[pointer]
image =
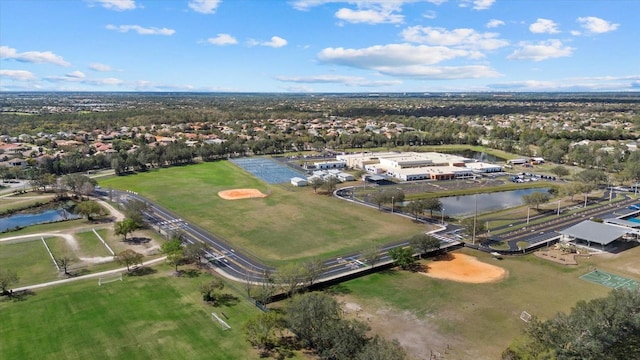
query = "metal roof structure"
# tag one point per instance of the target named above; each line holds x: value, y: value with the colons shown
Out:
x: 627, y: 223
x: 599, y: 233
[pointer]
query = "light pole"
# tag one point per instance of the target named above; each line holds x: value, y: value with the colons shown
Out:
x: 528, y: 213
x: 559, y: 207
x: 475, y: 219
x: 442, y: 215
x: 392, y: 198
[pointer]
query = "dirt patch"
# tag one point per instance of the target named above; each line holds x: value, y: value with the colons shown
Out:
x: 420, y: 338
x: 464, y: 268
x: 557, y: 256
x: 237, y: 194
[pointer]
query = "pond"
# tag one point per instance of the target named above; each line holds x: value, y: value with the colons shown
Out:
x: 22, y: 220
x: 480, y: 156
x: 465, y: 205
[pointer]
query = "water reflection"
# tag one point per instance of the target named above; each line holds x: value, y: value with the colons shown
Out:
x: 465, y: 205
x: 22, y: 220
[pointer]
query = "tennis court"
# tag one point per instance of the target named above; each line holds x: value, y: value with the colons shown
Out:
x: 610, y: 280
x: 267, y: 169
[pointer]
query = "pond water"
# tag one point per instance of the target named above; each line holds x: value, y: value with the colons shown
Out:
x: 480, y: 156
x: 22, y: 220
x: 465, y: 204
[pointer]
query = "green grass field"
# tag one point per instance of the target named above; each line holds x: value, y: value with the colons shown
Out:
x: 288, y: 224
x: 149, y: 317
x: 29, y: 259
x: 90, y: 245
x: 480, y: 320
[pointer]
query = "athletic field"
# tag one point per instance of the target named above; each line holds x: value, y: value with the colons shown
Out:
x: 610, y: 280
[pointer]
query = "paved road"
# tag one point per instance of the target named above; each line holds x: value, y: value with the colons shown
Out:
x: 235, y: 263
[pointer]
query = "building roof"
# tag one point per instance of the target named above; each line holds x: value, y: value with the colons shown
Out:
x: 595, y: 232
x: 627, y: 223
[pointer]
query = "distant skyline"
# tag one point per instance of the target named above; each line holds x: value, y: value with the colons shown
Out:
x: 370, y: 46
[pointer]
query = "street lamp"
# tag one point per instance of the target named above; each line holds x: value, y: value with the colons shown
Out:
x: 392, y: 198
x: 442, y: 215
x: 559, y: 207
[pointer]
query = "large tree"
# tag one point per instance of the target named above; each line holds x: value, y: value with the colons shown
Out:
x: 63, y: 263
x: 291, y: 277
x: 432, y: 204
x: 403, y: 257
x: 129, y: 257
x: 174, y: 251
x: 90, y: 209
x: 210, y: 290
x: 8, y: 277
x: 330, y: 185
x: 604, y: 328
x: 264, y: 331
x: 195, y: 252
x: 415, y: 208
x: 536, y: 198
x: 316, y: 183
x: 372, y: 255
x: 424, y: 243
x: 125, y: 227
x: 559, y: 171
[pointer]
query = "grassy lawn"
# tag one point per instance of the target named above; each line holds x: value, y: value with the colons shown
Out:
x: 149, y: 317
x: 288, y: 224
x: 90, y: 245
x: 480, y: 320
x: 29, y: 259
x: 23, y: 201
x: 60, y: 248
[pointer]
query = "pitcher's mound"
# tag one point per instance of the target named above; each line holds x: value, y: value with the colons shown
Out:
x: 236, y: 194
x: 464, y: 268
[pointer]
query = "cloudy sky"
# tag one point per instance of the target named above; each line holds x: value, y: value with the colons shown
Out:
x: 320, y: 45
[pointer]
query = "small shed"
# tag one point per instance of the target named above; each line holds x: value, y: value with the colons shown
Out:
x: 296, y: 181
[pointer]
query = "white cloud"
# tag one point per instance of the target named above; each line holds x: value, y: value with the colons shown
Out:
x: 308, y: 4
x: 440, y: 72
x: 21, y: 75
x: 477, y: 4
x: 204, y: 6
x: 429, y: 14
x: 390, y: 55
x: 544, y: 26
x: 76, y: 74
x: 339, y: 79
x: 604, y: 83
x: 222, y: 39
x: 118, y: 5
x: 38, y: 57
x: 275, y: 42
x: 595, y: 25
x: 369, y: 16
x: 82, y: 80
x: 494, y: 23
x: 464, y: 38
x: 141, y: 30
x: 100, y: 67
x: 541, y: 51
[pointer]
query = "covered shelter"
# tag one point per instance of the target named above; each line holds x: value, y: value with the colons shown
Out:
x: 593, y: 232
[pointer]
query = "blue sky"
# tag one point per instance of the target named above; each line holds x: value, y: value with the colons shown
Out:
x: 320, y: 45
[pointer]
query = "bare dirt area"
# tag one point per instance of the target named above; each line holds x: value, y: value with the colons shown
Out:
x: 419, y: 337
x: 237, y: 194
x: 464, y: 268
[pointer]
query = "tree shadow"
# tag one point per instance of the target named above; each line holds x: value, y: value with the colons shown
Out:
x: 338, y: 289
x: 16, y: 296
x: 190, y: 273
x: 78, y: 272
x: 137, y: 240
x: 227, y: 300
x: 142, y: 271
x: 444, y: 257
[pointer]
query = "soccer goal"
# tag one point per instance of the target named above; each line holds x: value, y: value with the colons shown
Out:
x: 109, y: 279
x: 525, y: 316
x: 222, y: 323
